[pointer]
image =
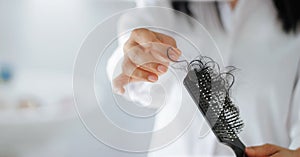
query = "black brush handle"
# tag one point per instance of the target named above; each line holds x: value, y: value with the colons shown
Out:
x: 238, y: 147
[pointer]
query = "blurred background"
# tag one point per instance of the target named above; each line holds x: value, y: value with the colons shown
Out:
x: 39, y: 40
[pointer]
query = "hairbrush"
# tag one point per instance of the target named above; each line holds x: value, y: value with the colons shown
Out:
x: 209, y: 88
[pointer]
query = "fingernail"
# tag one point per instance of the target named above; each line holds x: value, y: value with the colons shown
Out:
x: 161, y: 68
x: 173, y: 57
x: 152, y: 78
x: 178, y: 52
x: 174, y: 54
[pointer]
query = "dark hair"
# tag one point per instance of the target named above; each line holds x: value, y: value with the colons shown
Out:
x: 288, y: 12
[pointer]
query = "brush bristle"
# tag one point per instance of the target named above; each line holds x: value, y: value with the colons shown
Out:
x: 210, y: 90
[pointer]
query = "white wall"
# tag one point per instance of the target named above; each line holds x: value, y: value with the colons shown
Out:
x: 47, y: 33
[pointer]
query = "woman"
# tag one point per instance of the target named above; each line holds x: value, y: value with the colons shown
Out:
x: 260, y: 38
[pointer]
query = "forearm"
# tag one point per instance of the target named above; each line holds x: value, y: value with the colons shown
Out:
x: 271, y: 150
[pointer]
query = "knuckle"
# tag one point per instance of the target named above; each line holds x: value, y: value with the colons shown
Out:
x: 128, y: 67
x: 134, y: 55
x: 268, y: 147
x: 146, y: 34
x: 147, y: 50
x: 138, y: 31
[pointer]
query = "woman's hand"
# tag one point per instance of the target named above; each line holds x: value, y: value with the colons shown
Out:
x: 271, y: 150
x: 145, y: 58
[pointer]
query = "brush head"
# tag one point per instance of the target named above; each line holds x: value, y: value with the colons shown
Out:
x: 210, y: 90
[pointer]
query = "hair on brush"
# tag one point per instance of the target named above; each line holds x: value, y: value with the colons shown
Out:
x: 210, y: 90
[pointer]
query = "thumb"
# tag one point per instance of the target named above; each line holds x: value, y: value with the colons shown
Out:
x: 263, y: 150
x: 120, y: 82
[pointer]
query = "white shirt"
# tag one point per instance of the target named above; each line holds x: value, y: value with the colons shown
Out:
x: 267, y: 87
x: 226, y: 14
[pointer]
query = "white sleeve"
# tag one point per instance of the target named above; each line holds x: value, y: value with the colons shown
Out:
x: 295, y: 115
x: 147, y: 3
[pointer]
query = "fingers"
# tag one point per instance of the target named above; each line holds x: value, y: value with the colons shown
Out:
x: 145, y: 60
x: 166, y: 39
x: 264, y: 150
x: 142, y: 58
x: 119, y: 82
x: 151, y: 51
x: 155, y: 68
x: 173, y: 54
x: 138, y: 75
x: 132, y: 71
x: 153, y: 42
x: 163, y: 52
x: 157, y: 53
x: 142, y: 36
x: 147, y: 55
